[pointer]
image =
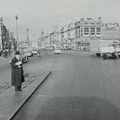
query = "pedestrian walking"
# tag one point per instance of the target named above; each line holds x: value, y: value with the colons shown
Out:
x: 45, y: 50
x: 17, y: 73
x: 0, y: 53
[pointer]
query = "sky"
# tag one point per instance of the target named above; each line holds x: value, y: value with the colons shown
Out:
x: 46, y: 14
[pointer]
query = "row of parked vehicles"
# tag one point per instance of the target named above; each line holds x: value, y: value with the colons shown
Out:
x: 56, y: 49
x: 26, y: 53
x: 105, y: 48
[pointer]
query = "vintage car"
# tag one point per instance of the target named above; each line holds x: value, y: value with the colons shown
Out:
x: 57, y: 50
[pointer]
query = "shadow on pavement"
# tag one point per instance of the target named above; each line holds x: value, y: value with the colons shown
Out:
x: 78, y: 108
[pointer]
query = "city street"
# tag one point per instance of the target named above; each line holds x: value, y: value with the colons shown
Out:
x: 81, y: 87
x: 53, y: 74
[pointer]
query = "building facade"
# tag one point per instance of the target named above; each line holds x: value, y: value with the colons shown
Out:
x: 5, y: 37
x: 79, y: 33
x: 111, y: 31
x: 82, y: 31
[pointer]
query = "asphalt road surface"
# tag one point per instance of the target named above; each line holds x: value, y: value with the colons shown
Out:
x: 81, y: 87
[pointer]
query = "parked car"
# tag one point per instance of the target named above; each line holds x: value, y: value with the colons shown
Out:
x: 34, y: 52
x: 57, y: 50
x: 105, y: 48
x: 69, y: 48
x: 49, y: 47
x: 28, y: 54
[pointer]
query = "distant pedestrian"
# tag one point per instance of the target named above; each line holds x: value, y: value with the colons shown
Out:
x: 0, y: 52
x: 45, y: 50
x: 39, y: 52
x: 6, y: 53
x: 17, y: 76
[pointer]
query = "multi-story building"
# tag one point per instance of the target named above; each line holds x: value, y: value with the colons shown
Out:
x: 111, y: 31
x: 67, y: 35
x: 82, y: 31
x: 47, y: 39
x: 89, y: 28
x: 52, y: 38
x: 5, y: 42
x: 78, y: 34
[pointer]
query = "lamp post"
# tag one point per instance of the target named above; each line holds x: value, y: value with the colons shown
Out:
x: 27, y: 31
x: 12, y: 42
x: 16, y: 17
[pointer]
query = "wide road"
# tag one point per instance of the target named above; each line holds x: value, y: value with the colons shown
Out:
x: 81, y: 87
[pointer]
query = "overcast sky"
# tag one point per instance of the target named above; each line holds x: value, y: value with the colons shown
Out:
x: 45, y: 14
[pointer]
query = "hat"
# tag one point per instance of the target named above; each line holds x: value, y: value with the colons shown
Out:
x: 17, y: 53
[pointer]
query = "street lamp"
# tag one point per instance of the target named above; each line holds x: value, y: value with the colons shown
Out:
x: 27, y: 30
x: 16, y: 17
x: 12, y: 42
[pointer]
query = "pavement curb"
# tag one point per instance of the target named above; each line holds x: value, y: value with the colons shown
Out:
x: 22, y: 104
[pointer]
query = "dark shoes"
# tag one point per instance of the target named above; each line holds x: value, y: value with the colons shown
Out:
x: 18, y: 89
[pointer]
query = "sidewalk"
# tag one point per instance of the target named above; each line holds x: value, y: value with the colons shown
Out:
x: 11, y: 103
x: 4, y: 60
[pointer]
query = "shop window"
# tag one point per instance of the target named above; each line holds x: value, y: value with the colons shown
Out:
x: 86, y: 23
x: 86, y: 31
x: 98, y: 31
x: 81, y: 29
x: 81, y: 34
x: 98, y: 23
x: 92, y: 23
x: 92, y: 31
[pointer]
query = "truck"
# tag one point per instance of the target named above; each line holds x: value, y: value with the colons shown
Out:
x: 105, y: 48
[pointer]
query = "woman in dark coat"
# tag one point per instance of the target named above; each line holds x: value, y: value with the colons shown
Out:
x: 17, y: 76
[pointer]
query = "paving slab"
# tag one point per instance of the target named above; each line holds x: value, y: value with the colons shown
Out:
x: 11, y: 103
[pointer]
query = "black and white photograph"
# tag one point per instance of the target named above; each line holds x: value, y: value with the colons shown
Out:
x: 59, y: 59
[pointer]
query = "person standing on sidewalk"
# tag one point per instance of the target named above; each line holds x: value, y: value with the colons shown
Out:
x: 17, y: 76
x: 39, y: 52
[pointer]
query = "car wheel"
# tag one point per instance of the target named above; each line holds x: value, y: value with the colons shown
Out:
x: 98, y: 54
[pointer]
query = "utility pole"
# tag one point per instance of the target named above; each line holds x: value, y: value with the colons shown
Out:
x: 27, y: 31
x: 16, y: 17
x: 42, y: 38
x: 12, y: 42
